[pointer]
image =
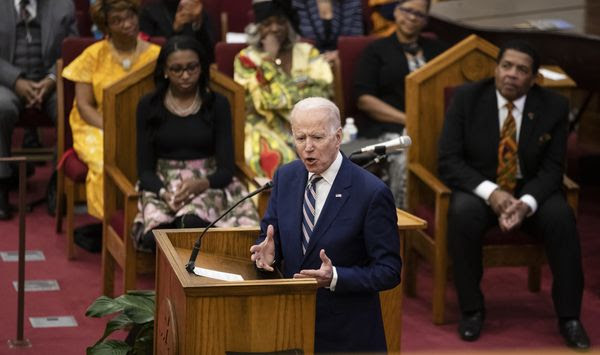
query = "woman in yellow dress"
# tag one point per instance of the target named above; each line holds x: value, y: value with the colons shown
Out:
x: 100, y: 65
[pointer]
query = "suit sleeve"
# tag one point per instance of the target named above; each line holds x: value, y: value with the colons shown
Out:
x: 549, y: 172
x: 453, y: 167
x: 382, y: 244
x: 367, y: 73
x: 8, y: 74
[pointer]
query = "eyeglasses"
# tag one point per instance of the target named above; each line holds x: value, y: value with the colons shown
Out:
x: 178, y: 70
x: 116, y: 20
x: 418, y: 14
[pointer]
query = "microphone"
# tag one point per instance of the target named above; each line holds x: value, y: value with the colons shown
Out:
x: 391, y: 146
x: 192, y: 262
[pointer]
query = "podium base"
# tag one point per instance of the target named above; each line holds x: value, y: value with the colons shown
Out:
x: 25, y: 343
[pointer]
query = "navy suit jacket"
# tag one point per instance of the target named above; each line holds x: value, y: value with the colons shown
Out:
x: 357, y: 228
x: 468, y: 150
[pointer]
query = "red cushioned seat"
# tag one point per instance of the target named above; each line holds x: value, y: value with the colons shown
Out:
x: 225, y: 54
x: 117, y: 221
x: 75, y: 169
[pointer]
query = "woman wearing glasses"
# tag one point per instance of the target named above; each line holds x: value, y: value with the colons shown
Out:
x: 100, y: 65
x: 185, y: 149
x: 379, y: 81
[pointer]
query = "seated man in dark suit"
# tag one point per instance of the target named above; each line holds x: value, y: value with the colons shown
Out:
x: 502, y: 152
x: 331, y: 220
x: 31, y: 33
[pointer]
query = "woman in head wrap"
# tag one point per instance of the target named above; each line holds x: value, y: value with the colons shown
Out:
x: 277, y: 71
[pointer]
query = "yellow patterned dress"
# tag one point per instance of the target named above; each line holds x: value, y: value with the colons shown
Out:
x: 98, y: 66
x: 271, y: 93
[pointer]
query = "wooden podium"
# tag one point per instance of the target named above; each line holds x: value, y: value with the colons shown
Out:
x: 198, y: 315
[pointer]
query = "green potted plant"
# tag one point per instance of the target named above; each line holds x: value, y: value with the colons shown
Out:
x: 135, y: 314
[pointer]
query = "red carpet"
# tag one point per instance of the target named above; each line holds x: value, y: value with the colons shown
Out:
x: 517, y: 319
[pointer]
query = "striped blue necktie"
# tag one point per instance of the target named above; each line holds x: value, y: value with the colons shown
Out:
x: 308, y: 211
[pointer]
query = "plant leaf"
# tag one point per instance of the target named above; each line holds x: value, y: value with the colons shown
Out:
x: 145, y: 293
x: 139, y: 309
x: 109, y: 347
x: 122, y: 321
x: 103, y: 306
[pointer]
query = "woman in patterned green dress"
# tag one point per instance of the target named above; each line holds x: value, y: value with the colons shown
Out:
x: 276, y: 71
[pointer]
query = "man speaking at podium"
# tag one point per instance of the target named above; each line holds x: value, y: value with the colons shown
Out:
x: 331, y: 220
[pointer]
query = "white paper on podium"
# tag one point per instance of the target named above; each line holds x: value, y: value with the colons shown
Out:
x: 261, y: 180
x: 219, y: 275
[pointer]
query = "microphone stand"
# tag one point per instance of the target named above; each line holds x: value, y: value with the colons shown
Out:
x: 381, y: 154
x: 375, y: 160
x: 191, y: 265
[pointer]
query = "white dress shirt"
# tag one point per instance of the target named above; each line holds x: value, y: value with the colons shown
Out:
x: 31, y: 7
x: 322, y: 191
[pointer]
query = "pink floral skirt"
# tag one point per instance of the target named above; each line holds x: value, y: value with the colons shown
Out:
x: 209, y: 205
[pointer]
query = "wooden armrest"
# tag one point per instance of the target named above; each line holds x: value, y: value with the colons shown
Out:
x: 569, y: 184
x: 429, y: 179
x: 408, y: 221
x: 442, y: 202
x: 121, y: 181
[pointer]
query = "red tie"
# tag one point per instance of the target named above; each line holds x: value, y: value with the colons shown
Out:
x: 507, y: 152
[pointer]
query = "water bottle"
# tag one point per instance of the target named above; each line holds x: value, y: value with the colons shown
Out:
x: 349, y: 131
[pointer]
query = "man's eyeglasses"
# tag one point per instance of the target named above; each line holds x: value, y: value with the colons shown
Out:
x: 418, y: 14
x: 178, y: 70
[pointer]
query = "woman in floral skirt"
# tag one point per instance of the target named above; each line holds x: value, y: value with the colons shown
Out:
x: 185, y: 149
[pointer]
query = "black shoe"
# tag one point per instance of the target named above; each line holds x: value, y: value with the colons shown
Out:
x: 574, y: 334
x: 31, y: 139
x: 5, y: 210
x: 89, y: 237
x: 470, y: 325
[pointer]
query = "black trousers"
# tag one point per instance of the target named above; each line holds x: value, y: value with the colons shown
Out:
x: 469, y: 217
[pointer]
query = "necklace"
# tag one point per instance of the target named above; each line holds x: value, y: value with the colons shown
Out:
x: 126, y: 60
x: 176, y: 108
